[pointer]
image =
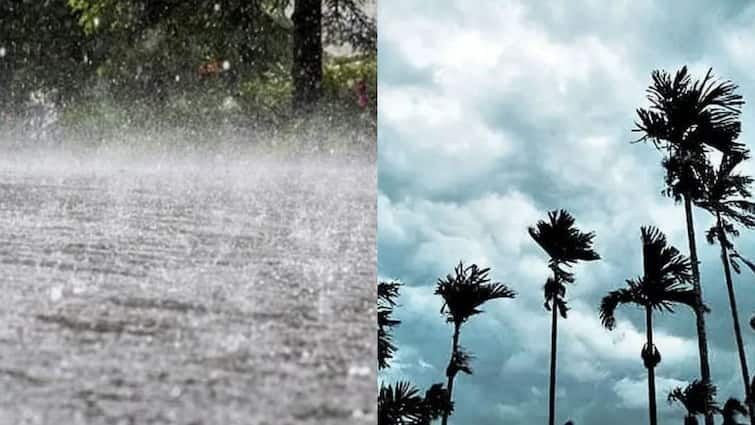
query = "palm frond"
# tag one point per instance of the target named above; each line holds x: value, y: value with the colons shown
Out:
x: 386, y: 348
x: 553, y: 291
x: 725, y: 194
x: 611, y: 301
x: 677, y: 295
x: 562, y: 240
x: 466, y: 290
x: 666, y: 273
x: 460, y: 362
x: 685, y: 118
x: 437, y: 403
x: 666, y: 280
x: 731, y: 409
x: 386, y: 299
x: 387, y: 292
x: 736, y: 256
x: 661, y: 262
x: 400, y: 404
x: 698, y: 398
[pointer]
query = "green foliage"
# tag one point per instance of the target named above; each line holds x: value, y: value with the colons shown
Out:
x: 43, y: 49
x: 341, y: 74
x: 122, y: 65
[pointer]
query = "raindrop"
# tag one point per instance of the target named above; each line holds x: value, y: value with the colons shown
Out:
x: 359, y: 370
x: 226, y: 65
x: 56, y: 293
x: 178, y: 78
x: 216, y: 7
x: 96, y: 21
x: 3, y: 52
x: 175, y: 392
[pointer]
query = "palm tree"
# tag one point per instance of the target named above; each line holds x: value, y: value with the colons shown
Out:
x: 463, y: 293
x: 386, y: 300
x: 664, y: 282
x: 698, y: 398
x: 686, y: 119
x: 731, y: 409
x: 401, y: 404
x: 724, y: 195
x: 565, y: 245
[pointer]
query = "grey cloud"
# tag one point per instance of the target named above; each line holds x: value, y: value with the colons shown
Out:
x: 565, y: 149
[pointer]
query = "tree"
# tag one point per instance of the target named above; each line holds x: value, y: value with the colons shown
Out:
x: 307, y: 51
x: 732, y: 408
x: 565, y: 245
x: 725, y: 196
x: 41, y: 48
x: 464, y: 292
x: 698, y: 398
x: 685, y: 120
x: 401, y: 404
x: 386, y: 299
x: 335, y: 22
x: 665, y: 281
x: 144, y: 44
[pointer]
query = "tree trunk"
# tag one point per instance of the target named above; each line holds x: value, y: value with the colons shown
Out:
x: 651, y: 369
x: 702, y: 339
x: 722, y: 241
x: 306, y: 71
x: 552, y: 388
x: 450, y: 385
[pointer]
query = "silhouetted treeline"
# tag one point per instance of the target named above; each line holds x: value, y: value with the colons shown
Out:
x: 690, y: 122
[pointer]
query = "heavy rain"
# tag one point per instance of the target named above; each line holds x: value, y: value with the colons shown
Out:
x: 187, y: 212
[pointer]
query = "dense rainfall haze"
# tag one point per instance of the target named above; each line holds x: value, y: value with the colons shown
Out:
x: 187, y: 212
x: 171, y: 285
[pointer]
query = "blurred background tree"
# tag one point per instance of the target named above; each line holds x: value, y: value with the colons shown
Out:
x: 188, y: 56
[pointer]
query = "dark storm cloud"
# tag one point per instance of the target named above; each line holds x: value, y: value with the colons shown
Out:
x: 492, y: 114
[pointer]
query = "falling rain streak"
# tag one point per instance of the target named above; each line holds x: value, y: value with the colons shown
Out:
x: 173, y: 292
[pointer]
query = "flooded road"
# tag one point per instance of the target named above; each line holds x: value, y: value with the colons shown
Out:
x: 196, y: 291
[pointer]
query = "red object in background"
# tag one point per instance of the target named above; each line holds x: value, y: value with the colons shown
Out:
x: 362, y: 99
x: 210, y: 68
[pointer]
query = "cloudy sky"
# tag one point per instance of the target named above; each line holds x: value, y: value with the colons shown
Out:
x: 494, y: 112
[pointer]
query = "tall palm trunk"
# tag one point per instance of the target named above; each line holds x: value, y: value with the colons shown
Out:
x: 702, y: 339
x: 450, y: 385
x: 552, y: 388
x: 651, y: 367
x: 735, y: 318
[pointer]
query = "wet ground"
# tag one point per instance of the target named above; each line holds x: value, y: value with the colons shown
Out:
x: 196, y: 291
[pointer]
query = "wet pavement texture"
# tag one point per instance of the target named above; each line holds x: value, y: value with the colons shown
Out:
x: 195, y: 292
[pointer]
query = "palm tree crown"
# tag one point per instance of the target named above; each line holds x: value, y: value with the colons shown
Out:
x: 732, y: 408
x: 565, y: 244
x: 562, y: 241
x: 665, y: 280
x: 686, y: 118
x: 691, y: 113
x: 725, y: 192
x: 401, y: 404
x: 698, y: 398
x: 386, y: 299
x: 466, y: 290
